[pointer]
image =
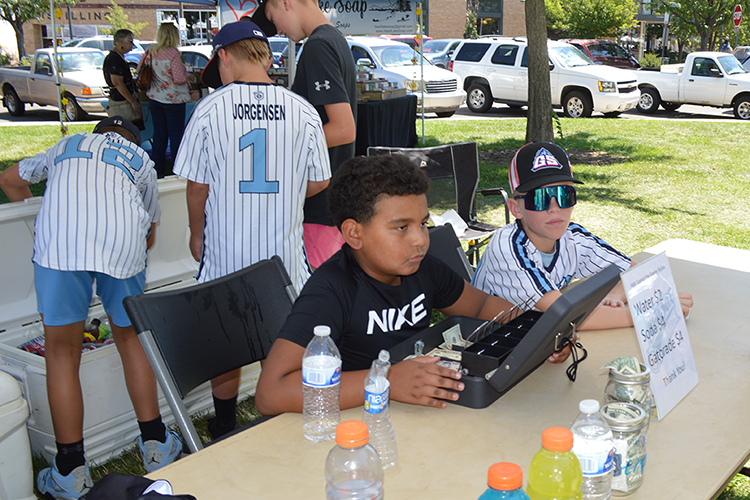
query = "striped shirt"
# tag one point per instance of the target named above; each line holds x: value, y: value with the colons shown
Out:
x: 256, y: 146
x: 100, y: 201
x: 512, y: 267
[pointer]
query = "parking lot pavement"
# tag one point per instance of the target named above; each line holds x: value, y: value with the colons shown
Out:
x: 41, y: 115
x: 686, y: 112
x: 48, y: 115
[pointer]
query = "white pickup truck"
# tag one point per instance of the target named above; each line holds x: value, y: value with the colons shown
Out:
x: 705, y: 79
x: 496, y: 70
x: 81, y: 76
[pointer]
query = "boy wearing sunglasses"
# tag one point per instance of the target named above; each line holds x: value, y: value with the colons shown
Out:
x: 543, y: 252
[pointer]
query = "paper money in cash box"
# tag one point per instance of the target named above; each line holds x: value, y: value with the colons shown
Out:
x: 494, y: 356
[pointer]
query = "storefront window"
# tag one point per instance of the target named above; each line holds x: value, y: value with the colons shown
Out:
x: 490, y: 17
x: 490, y: 26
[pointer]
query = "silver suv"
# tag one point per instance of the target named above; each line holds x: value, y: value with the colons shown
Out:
x: 496, y: 70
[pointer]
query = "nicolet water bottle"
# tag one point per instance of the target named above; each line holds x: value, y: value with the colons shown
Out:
x: 377, y: 413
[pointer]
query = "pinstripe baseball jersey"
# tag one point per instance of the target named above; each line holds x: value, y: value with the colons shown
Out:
x: 100, y: 201
x: 512, y: 268
x: 256, y: 146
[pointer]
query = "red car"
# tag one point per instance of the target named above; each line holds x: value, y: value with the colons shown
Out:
x: 606, y: 52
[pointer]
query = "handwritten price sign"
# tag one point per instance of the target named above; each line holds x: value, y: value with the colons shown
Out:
x: 661, y: 330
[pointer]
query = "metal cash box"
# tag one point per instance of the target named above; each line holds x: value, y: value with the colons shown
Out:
x: 504, y: 354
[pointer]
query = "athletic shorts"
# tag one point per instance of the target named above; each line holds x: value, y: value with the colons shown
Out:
x: 321, y: 242
x: 63, y: 297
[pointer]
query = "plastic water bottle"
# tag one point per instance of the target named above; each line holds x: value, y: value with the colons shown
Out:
x: 504, y: 481
x: 353, y: 470
x: 594, y: 446
x: 555, y: 472
x: 321, y: 377
x: 377, y: 414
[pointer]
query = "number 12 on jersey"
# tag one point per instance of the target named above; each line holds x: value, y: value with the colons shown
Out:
x: 257, y: 139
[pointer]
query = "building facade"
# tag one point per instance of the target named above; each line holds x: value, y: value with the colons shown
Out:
x: 447, y: 18
x: 86, y: 19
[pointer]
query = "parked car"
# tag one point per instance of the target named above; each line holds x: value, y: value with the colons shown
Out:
x: 606, y: 52
x: 496, y: 70
x: 284, y: 58
x: 195, y: 58
x: 441, y: 51
x: 409, y: 40
x: 105, y: 43
x: 278, y: 44
x: 705, y: 79
x: 194, y: 41
x: 394, y: 61
x: 743, y: 56
x: 82, y: 77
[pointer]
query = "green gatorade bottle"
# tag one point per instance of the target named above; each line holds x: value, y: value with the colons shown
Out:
x: 555, y: 473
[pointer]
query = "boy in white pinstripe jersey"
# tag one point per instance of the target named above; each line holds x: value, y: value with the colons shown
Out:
x: 543, y: 252
x: 251, y: 152
x: 96, y: 221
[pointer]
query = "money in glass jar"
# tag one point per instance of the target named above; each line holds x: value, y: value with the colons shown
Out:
x: 629, y: 383
x: 628, y: 424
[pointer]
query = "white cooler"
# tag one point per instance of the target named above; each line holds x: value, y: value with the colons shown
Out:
x: 16, y: 481
x: 109, y: 420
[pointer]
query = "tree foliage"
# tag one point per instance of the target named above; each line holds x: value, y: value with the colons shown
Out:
x: 470, y: 31
x: 119, y: 20
x: 18, y: 12
x: 706, y: 18
x: 590, y: 18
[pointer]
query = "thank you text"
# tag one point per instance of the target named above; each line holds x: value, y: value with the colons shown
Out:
x: 661, y: 331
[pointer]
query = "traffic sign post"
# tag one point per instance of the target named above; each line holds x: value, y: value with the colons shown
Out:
x: 737, y: 18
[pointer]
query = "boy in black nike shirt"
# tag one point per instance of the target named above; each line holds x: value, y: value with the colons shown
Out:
x: 376, y: 292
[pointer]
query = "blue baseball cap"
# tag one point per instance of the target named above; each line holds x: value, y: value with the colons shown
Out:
x: 230, y: 33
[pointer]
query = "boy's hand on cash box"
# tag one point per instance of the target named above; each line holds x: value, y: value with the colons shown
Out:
x: 421, y: 381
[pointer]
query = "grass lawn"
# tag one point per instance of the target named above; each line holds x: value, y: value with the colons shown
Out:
x: 645, y: 182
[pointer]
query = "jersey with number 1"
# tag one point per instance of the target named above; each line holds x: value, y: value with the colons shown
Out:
x: 256, y: 146
x: 100, y: 201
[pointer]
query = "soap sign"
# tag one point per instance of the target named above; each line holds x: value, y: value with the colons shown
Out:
x: 661, y: 330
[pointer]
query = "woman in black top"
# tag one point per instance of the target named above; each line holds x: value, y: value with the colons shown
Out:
x: 123, y: 98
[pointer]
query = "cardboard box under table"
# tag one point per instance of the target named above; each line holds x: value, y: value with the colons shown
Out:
x: 109, y: 420
x: 502, y: 355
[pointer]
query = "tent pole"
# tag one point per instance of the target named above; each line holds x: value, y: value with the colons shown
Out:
x: 57, y: 66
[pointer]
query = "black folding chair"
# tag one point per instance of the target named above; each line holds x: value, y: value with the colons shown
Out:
x: 444, y: 245
x: 193, y: 334
x: 454, y: 170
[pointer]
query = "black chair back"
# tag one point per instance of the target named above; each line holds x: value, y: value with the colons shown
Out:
x: 211, y: 328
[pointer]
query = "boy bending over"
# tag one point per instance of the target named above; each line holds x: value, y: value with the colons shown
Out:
x: 376, y: 292
x: 96, y: 221
x: 543, y: 252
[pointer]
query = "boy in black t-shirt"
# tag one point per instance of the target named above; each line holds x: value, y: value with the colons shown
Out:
x: 377, y: 291
x: 327, y: 77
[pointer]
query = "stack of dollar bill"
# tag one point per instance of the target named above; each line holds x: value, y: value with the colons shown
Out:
x: 637, y: 391
x: 626, y: 365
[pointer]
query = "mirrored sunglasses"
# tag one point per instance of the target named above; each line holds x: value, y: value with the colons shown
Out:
x: 538, y: 200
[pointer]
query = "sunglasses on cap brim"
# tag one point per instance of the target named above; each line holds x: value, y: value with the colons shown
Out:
x: 538, y: 200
